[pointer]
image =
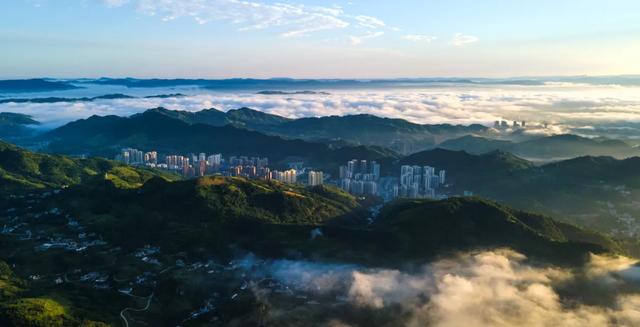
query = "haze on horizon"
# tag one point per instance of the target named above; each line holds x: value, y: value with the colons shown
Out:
x: 317, y: 39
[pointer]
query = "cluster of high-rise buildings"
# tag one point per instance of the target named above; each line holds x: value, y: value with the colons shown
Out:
x: 502, y: 124
x: 288, y: 176
x: 195, y: 165
x: 419, y: 182
x: 136, y: 157
x: 360, y: 177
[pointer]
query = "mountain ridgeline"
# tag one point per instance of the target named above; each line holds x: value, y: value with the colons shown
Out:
x: 356, y: 129
x: 398, y: 135
x: 155, y: 130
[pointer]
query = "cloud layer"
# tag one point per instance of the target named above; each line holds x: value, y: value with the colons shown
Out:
x: 590, y: 110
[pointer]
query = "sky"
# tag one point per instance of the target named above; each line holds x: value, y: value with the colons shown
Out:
x: 318, y: 39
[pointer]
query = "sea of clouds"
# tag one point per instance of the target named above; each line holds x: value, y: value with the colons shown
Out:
x: 488, y: 288
x: 588, y: 109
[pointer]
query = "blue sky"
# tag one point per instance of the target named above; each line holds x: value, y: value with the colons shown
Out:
x: 310, y: 39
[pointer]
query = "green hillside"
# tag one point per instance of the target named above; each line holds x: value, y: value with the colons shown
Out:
x: 204, y: 212
x: 19, y: 308
x: 22, y: 171
x: 592, y: 192
x: 430, y: 227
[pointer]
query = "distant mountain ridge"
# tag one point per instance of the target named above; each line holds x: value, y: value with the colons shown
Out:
x: 292, y: 93
x: 357, y: 129
x: 168, y: 132
x: 34, y: 85
x: 403, y: 136
x: 293, y: 84
x: 114, y: 96
x: 12, y: 118
x: 555, y: 147
x: 15, y: 125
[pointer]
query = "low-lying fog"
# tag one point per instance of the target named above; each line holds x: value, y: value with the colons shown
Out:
x: 491, y: 288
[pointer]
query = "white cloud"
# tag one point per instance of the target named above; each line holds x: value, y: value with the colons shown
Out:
x: 370, y: 22
x: 294, y: 19
x: 115, y: 3
x: 356, y: 40
x: 461, y: 39
x: 420, y: 38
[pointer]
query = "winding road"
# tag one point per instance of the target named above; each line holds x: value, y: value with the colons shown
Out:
x: 126, y: 322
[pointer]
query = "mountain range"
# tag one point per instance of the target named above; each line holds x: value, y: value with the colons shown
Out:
x: 156, y: 130
x: 84, y: 239
x: 554, y: 189
x: 397, y: 135
x: 402, y: 136
x: 356, y: 129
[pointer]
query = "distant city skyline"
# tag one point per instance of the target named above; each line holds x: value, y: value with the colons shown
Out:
x: 316, y: 39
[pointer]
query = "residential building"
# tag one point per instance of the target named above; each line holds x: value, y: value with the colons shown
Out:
x: 315, y: 178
